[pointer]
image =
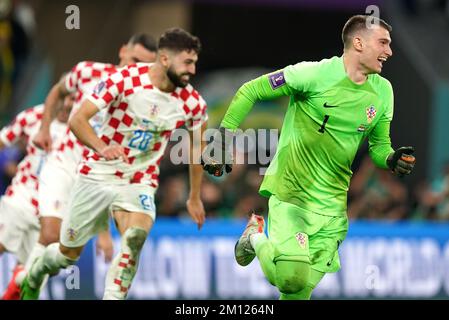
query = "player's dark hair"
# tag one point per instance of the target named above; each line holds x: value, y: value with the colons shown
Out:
x: 177, y: 40
x: 360, y: 22
x: 147, y: 41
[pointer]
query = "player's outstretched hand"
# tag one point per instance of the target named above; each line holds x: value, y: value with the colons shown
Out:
x: 218, y: 154
x: 42, y: 140
x: 114, y: 152
x: 401, y: 161
x: 196, y: 210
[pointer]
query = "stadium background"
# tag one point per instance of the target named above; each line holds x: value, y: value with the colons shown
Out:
x: 397, y: 245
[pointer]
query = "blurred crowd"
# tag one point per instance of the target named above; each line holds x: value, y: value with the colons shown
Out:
x: 377, y: 194
x: 419, y: 7
x: 16, y: 30
x: 230, y: 196
x: 374, y: 194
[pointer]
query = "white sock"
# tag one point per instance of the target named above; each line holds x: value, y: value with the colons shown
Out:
x: 51, y: 261
x: 20, y: 276
x: 257, y: 237
x: 124, y: 266
x: 36, y: 252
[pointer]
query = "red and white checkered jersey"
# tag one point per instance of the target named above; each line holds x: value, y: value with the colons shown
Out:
x: 82, y: 79
x: 140, y: 118
x: 24, y: 186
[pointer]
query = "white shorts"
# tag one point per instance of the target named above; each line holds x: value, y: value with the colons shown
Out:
x: 91, y: 202
x: 55, y: 185
x: 19, y: 230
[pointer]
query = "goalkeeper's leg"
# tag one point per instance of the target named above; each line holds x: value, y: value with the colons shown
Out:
x: 290, y: 277
x: 305, y: 293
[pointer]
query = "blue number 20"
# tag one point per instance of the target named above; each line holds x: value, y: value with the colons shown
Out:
x: 140, y: 140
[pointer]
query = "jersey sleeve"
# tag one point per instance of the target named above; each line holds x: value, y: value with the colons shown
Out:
x: 379, y: 138
x: 266, y: 87
x: 198, y: 115
x: 19, y: 126
x: 303, y: 76
x: 109, y: 88
x: 75, y: 75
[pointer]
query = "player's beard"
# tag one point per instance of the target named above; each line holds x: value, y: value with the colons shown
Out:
x: 176, y: 78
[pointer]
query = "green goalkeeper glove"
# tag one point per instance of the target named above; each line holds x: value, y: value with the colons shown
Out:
x: 401, y: 161
x: 218, y: 154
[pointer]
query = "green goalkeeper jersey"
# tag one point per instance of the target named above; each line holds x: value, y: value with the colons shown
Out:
x: 328, y: 118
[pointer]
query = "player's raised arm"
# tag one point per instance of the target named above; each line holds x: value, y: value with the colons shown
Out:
x: 57, y: 92
x: 217, y: 155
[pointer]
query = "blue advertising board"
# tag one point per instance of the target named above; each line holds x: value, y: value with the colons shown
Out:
x: 379, y: 260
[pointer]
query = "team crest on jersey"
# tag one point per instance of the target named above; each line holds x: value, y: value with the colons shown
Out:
x: 72, y: 233
x: 154, y: 111
x: 370, y: 113
x: 302, y: 239
x: 100, y: 86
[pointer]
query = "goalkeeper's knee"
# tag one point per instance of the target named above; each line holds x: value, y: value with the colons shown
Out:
x: 292, y: 276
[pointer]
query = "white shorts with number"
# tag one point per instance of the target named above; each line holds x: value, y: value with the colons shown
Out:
x: 91, y: 203
x: 19, y: 228
x: 55, y: 186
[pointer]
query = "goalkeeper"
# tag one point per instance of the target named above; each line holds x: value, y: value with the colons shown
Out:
x: 334, y: 105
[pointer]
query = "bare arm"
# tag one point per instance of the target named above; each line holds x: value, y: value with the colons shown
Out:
x: 79, y: 124
x: 43, y: 137
x: 194, y: 203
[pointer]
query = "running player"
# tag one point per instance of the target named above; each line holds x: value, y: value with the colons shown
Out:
x: 58, y: 174
x: 19, y: 214
x: 334, y: 105
x: 144, y: 103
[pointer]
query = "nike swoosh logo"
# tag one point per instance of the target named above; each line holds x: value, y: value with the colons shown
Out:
x: 328, y: 106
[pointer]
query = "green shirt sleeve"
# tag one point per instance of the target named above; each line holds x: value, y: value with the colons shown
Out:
x: 266, y: 87
x: 379, y: 137
x: 303, y: 76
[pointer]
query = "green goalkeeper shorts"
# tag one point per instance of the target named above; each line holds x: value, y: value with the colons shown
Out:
x: 300, y: 235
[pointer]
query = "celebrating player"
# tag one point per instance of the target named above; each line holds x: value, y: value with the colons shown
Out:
x: 143, y: 104
x: 334, y: 105
x: 58, y: 173
x: 19, y: 214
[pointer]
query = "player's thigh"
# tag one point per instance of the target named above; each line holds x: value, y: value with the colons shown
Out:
x: 324, y: 245
x: 134, y: 207
x: 289, y: 228
x: 88, y: 213
x: 55, y: 186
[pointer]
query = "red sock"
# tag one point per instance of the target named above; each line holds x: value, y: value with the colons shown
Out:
x: 12, y: 292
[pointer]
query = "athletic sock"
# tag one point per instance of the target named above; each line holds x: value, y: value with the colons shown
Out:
x: 50, y: 262
x: 265, y: 253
